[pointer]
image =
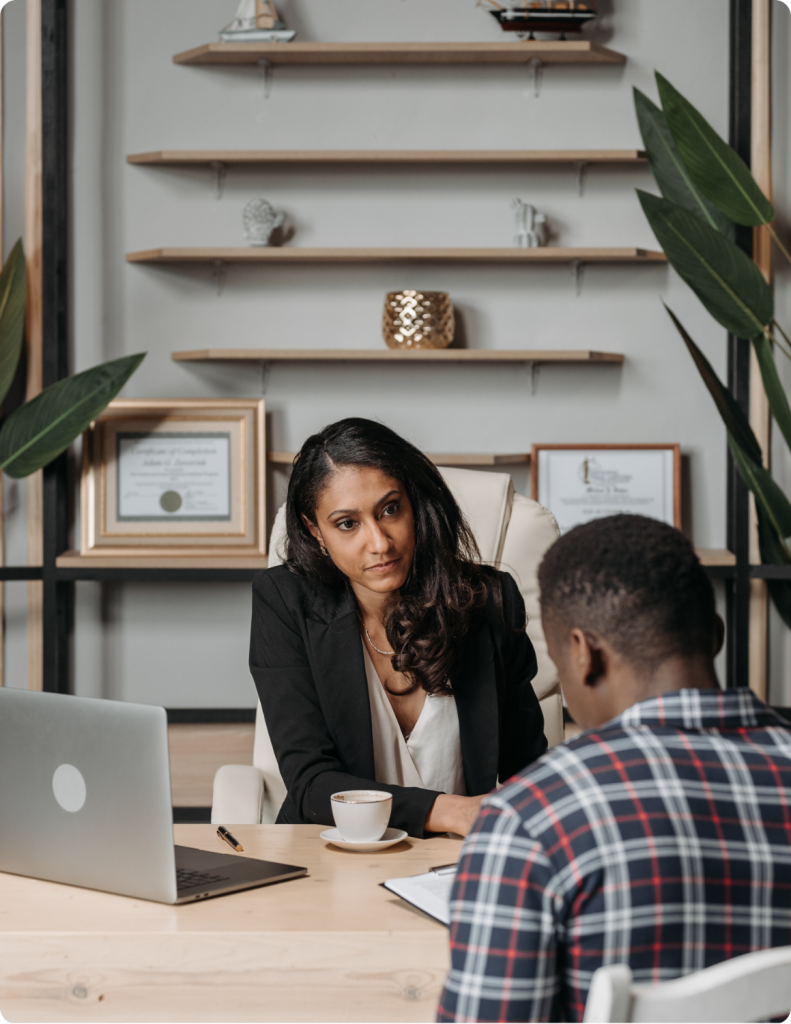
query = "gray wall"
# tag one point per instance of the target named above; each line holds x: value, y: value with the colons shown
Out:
x: 13, y: 15
x: 187, y: 646
x: 779, y: 660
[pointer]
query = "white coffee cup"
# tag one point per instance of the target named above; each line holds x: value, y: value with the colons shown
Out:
x: 362, y: 815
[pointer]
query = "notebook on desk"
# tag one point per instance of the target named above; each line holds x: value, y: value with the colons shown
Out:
x: 429, y: 892
x: 85, y: 800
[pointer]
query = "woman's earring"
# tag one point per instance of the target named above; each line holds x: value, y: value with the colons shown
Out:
x: 323, y: 550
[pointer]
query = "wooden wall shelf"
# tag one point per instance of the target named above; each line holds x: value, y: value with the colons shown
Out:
x: 383, y: 157
x: 394, y: 355
x: 556, y: 52
x: 710, y: 557
x: 289, y: 255
x: 71, y: 567
x: 454, y: 459
x: 74, y: 560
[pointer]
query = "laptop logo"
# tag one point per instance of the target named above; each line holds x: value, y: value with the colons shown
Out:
x: 69, y: 787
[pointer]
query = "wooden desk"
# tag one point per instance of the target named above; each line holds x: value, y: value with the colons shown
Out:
x: 334, y: 946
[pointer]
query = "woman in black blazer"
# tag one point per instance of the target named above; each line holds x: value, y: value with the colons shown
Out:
x: 382, y: 573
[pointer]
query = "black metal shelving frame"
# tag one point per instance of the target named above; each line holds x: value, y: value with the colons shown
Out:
x: 58, y: 583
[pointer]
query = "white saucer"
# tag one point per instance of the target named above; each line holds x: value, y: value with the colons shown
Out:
x: 390, y: 838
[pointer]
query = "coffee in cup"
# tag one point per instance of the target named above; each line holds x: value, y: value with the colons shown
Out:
x: 362, y: 815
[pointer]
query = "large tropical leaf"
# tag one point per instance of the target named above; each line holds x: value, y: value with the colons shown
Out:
x: 736, y: 423
x: 723, y: 277
x: 774, y: 552
x: 40, y: 430
x: 716, y: 168
x: 13, y: 287
x: 747, y: 453
x: 668, y: 168
x: 775, y: 392
x: 743, y: 444
x: 767, y: 493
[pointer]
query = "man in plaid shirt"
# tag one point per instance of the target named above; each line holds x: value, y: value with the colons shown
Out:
x: 660, y: 837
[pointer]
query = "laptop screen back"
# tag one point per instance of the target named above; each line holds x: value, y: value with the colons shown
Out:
x: 85, y: 793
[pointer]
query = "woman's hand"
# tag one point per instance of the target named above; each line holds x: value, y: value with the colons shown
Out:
x: 453, y: 814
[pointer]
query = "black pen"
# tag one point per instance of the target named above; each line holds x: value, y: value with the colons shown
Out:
x: 230, y: 839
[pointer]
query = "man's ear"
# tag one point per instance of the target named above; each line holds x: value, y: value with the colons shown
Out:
x: 588, y: 656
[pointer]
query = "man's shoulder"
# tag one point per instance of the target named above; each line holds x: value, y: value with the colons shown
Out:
x: 567, y: 776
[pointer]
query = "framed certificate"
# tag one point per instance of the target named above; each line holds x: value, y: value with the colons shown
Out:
x: 174, y: 477
x: 581, y: 482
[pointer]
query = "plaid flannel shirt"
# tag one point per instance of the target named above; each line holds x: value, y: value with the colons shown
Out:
x: 661, y: 840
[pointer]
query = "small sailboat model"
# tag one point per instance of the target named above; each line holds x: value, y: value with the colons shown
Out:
x: 529, y: 16
x: 256, y: 21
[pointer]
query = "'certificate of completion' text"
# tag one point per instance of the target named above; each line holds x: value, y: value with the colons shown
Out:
x: 185, y: 476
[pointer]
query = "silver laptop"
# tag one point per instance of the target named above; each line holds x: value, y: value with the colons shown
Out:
x: 85, y: 800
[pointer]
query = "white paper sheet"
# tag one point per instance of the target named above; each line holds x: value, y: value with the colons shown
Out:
x: 174, y: 476
x: 429, y: 893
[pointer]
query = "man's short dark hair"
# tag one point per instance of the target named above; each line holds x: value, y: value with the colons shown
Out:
x: 634, y: 581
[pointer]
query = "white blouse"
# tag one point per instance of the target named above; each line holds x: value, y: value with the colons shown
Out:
x: 431, y: 757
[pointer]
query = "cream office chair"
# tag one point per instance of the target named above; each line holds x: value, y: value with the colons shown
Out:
x: 755, y: 986
x: 513, y: 533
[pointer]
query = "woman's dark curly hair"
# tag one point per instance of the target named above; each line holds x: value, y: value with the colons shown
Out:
x: 446, y: 582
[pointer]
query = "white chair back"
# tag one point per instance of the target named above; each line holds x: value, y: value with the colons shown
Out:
x: 753, y: 987
x: 531, y: 530
x: 486, y: 500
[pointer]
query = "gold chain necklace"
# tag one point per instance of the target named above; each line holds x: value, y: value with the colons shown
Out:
x: 370, y: 641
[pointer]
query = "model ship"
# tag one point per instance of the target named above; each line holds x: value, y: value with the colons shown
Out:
x: 529, y: 16
x: 256, y: 21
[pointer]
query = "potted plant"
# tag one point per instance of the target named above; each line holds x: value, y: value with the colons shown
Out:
x: 707, y: 189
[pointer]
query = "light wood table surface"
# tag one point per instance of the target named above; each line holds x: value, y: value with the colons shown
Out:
x: 333, y: 946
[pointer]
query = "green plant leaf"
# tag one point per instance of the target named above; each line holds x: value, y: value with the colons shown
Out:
x: 668, y: 168
x: 716, y: 168
x: 741, y: 440
x: 40, y: 430
x: 13, y: 289
x: 766, y: 491
x: 736, y: 423
x: 780, y: 593
x: 724, y: 278
x: 774, y: 552
x: 775, y: 393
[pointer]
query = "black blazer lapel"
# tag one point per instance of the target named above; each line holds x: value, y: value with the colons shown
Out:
x: 475, y: 688
x: 339, y: 672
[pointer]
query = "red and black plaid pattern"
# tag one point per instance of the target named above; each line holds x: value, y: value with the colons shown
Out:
x: 661, y: 840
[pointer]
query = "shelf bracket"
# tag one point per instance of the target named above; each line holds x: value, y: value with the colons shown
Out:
x: 267, y: 70
x: 220, y: 170
x: 218, y: 269
x: 577, y: 272
x: 533, y: 368
x: 580, y: 172
x: 535, y: 72
x: 266, y: 369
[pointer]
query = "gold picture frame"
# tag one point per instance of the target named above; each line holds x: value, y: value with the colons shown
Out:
x: 174, y: 477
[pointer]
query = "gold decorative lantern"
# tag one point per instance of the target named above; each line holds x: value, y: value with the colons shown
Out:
x: 418, y: 320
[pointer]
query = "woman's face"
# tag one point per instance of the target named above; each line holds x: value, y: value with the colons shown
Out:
x: 364, y: 520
